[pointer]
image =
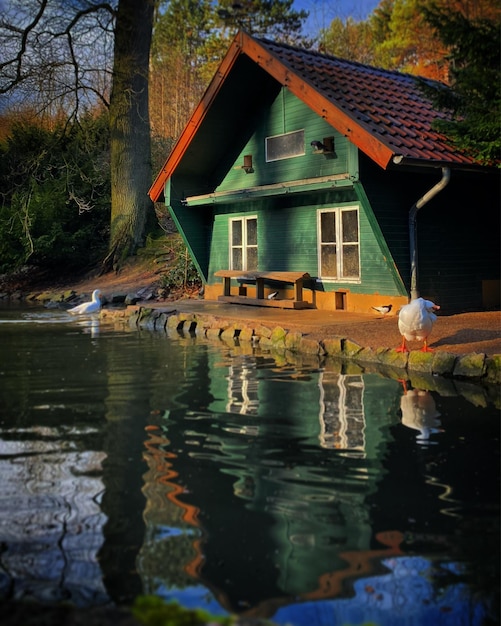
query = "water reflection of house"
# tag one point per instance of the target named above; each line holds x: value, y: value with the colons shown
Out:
x: 341, y: 409
x: 342, y: 421
x: 243, y: 385
x: 266, y: 451
x: 172, y: 526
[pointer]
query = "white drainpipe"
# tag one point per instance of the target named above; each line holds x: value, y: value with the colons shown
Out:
x: 446, y: 175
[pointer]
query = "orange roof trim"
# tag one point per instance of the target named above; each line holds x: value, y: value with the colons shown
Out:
x: 384, y: 113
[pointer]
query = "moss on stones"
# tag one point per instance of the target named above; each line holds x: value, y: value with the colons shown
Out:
x: 310, y: 346
x: 493, y: 369
x: 470, y: 366
x: 277, y: 336
x: 420, y: 361
x: 351, y: 348
x: 293, y: 341
x: 348, y: 352
x: 443, y: 363
x: 333, y: 346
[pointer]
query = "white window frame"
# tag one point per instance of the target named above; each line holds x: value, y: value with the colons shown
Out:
x: 339, y: 248
x: 245, y: 247
x: 284, y: 136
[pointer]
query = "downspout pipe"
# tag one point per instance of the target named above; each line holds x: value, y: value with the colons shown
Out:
x: 443, y: 182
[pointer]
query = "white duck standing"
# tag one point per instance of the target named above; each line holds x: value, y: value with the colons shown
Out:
x: 88, y: 307
x: 415, y: 322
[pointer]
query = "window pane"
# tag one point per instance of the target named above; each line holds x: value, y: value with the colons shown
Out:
x: 351, y: 267
x: 252, y: 258
x: 329, y: 261
x: 252, y: 232
x: 285, y: 146
x: 236, y: 233
x: 328, y: 227
x: 236, y: 259
x: 350, y: 226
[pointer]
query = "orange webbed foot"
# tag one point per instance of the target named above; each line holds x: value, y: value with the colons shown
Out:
x: 402, y: 347
x: 425, y: 348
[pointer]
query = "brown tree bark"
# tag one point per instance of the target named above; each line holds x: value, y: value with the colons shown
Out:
x: 131, y: 173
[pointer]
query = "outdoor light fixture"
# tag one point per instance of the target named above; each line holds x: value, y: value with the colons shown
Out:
x: 326, y: 146
x: 247, y: 166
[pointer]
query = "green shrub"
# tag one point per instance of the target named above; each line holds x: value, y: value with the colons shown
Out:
x: 180, y: 271
x: 54, y: 209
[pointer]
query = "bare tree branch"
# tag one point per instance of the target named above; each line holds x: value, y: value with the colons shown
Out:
x: 61, y: 58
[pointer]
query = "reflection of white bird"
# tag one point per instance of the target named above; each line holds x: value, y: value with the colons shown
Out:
x: 88, y: 307
x: 420, y: 412
x: 415, y: 322
x: 384, y: 310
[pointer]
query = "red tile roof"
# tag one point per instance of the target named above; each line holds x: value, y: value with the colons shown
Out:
x: 384, y: 113
x: 390, y: 105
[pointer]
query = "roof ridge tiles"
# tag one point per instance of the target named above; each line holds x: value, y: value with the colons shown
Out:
x: 323, y: 56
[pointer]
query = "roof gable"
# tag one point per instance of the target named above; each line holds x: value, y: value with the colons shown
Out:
x: 384, y: 113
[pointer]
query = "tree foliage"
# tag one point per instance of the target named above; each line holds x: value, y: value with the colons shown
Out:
x: 189, y: 41
x: 349, y: 40
x: 408, y: 44
x: 55, y: 198
x: 475, y: 98
x: 178, y: 59
x: 275, y: 19
x: 397, y: 35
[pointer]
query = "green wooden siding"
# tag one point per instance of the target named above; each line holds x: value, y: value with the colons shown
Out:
x: 457, y: 231
x: 288, y: 114
x: 195, y: 228
x: 287, y: 240
x: 455, y: 253
x: 287, y: 224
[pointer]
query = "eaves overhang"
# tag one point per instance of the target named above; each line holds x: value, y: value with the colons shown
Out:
x: 402, y: 162
x: 338, y: 181
x: 350, y: 97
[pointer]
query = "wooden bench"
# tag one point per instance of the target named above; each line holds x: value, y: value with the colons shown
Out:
x: 259, y: 279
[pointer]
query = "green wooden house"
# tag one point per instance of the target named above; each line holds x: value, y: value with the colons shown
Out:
x: 303, y: 170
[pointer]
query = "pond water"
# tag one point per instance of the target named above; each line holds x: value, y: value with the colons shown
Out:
x: 134, y: 462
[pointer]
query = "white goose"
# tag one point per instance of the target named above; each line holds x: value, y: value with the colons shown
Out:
x: 415, y: 322
x: 88, y: 307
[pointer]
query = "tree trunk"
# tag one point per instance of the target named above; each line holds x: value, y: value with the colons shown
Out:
x: 131, y: 173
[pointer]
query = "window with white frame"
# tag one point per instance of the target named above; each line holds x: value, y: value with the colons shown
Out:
x: 339, y: 244
x: 243, y: 243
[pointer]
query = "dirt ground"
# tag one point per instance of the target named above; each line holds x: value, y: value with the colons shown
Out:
x: 458, y: 334
x: 136, y: 274
x: 472, y: 332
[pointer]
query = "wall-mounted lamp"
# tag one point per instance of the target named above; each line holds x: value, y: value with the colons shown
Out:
x: 247, y: 166
x: 326, y: 146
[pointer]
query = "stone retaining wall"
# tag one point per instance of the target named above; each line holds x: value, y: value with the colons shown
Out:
x: 469, y: 367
